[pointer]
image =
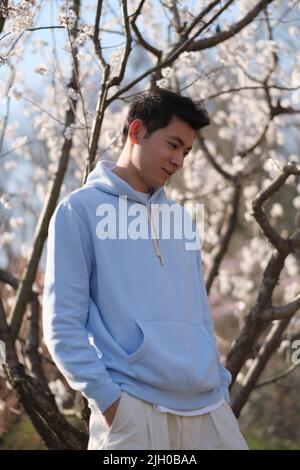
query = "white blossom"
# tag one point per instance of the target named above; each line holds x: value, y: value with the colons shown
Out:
x: 41, y: 69
x: 16, y: 94
x: 290, y: 291
x: 5, y: 201
x: 10, y: 165
x: 162, y: 83
x: 248, y: 216
x: 6, y: 238
x: 86, y: 30
x: 277, y: 210
x: 69, y: 132
x: 294, y: 159
x: 292, y: 266
x: 241, y: 305
x: 25, y: 250
x: 266, y: 183
x: 296, y: 202
x: 250, y: 191
x: 238, y: 163
x: 20, y: 16
x: 188, y: 58
x: 20, y: 142
x: 67, y: 19
x: 224, y: 282
x: 73, y: 94
x: 16, y: 222
x: 225, y: 133
x: 167, y: 72
x: 41, y: 191
x: 59, y: 391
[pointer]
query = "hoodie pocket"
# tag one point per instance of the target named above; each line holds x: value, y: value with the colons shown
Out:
x: 175, y: 354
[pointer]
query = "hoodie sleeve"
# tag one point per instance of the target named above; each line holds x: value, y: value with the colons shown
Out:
x: 66, y: 301
x: 224, y: 373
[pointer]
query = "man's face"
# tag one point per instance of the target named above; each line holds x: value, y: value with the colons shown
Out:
x: 159, y: 156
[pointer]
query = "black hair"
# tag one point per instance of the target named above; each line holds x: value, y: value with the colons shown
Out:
x: 157, y: 108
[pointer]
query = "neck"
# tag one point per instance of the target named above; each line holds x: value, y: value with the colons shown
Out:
x: 127, y: 171
x: 127, y: 175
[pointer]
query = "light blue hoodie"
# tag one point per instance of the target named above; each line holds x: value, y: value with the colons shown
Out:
x: 127, y: 314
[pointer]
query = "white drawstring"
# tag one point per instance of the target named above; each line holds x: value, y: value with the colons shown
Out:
x: 155, y: 240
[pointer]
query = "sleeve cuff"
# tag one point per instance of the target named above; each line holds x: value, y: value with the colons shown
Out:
x: 103, y: 399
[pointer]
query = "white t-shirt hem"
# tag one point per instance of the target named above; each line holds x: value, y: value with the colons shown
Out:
x: 199, y: 411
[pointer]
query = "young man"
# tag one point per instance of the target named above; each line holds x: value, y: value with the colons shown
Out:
x: 126, y: 316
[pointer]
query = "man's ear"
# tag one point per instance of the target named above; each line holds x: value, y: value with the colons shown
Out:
x: 135, y: 131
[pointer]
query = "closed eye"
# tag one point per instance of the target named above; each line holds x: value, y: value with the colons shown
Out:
x: 175, y: 146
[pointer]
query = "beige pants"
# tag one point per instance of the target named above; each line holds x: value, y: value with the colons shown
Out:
x: 137, y: 425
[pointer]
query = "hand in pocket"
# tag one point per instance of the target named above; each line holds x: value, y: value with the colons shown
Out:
x: 110, y: 412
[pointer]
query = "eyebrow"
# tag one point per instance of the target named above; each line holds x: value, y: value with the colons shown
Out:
x: 178, y: 139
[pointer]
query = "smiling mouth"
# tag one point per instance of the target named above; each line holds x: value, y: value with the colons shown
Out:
x: 167, y: 172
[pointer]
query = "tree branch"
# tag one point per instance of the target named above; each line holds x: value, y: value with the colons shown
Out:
x: 189, y: 45
x: 3, y: 11
x: 262, y: 312
x: 28, y: 276
x: 258, y: 365
x: 37, y: 401
x: 277, y: 377
x: 225, y: 239
x: 211, y: 160
x: 285, y: 311
x: 234, y: 29
x: 259, y: 214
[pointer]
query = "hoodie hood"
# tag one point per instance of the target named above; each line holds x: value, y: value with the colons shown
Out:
x: 103, y: 178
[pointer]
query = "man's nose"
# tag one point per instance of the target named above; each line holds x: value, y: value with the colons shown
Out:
x: 177, y: 159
